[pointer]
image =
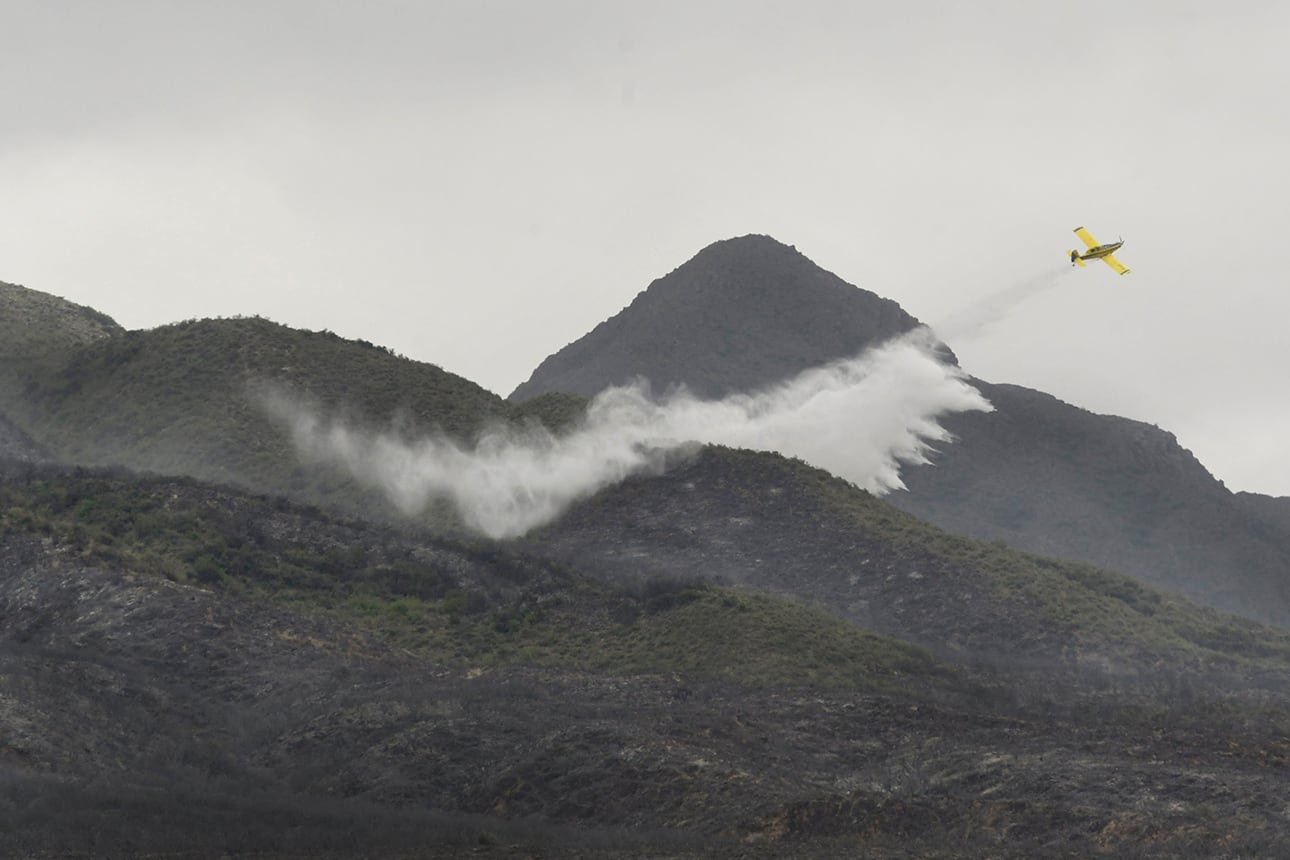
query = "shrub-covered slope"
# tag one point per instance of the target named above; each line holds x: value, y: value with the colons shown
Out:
x: 187, y: 399
x: 34, y: 323
x: 37, y: 332
x: 760, y: 520
x: 462, y: 603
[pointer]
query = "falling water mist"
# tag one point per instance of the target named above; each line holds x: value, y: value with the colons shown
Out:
x: 860, y: 419
x: 970, y: 321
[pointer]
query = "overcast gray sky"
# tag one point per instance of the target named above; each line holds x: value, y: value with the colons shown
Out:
x: 477, y: 183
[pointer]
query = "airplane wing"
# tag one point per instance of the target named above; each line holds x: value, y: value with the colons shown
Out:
x: 1119, y: 267
x: 1086, y: 236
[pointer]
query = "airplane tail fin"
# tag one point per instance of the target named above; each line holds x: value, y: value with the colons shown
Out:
x: 1075, y: 260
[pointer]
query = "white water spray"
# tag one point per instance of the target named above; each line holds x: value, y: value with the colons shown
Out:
x: 860, y: 419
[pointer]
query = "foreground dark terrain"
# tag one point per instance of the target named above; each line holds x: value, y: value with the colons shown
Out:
x: 194, y: 670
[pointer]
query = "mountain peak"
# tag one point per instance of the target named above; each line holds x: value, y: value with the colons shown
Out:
x: 742, y: 249
x: 741, y: 314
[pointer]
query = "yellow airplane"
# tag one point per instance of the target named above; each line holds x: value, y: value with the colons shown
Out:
x: 1097, y: 252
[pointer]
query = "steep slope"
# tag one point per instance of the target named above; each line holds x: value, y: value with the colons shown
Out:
x: 1055, y: 479
x: 742, y: 314
x: 187, y: 399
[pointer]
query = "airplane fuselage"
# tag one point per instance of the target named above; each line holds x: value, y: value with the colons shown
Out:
x: 1100, y: 251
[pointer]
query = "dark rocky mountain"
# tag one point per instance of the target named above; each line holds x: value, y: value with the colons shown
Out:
x: 740, y: 314
x: 1038, y: 473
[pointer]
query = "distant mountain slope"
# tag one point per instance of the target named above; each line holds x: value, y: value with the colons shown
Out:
x: 184, y: 399
x: 1056, y: 479
x: 742, y: 314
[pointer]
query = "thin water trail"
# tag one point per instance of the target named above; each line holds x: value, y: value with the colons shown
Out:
x: 968, y: 322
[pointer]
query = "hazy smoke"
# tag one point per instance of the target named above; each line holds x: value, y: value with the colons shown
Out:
x: 860, y: 419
